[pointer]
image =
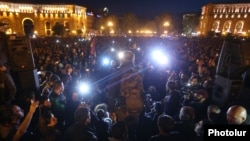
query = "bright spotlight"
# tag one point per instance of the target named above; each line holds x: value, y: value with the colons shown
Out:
x: 160, y: 57
x: 106, y: 61
x: 120, y: 55
x: 112, y: 49
x: 84, y: 88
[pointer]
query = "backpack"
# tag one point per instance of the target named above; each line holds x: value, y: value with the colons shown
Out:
x: 131, y: 89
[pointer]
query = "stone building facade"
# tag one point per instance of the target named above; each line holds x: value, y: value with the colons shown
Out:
x: 225, y: 18
x: 23, y: 19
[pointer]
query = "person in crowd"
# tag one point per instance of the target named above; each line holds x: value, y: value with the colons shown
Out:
x: 199, y: 130
x: 157, y: 110
x: 68, y: 79
x: 7, y: 84
x: 104, y: 107
x: 80, y: 130
x: 145, y: 126
x: 47, y: 89
x: 103, y: 126
x: 199, y: 102
x: 47, y: 127
x: 186, y: 124
x: 44, y: 106
x: 45, y: 79
x: 118, y: 131
x: 237, y: 115
x: 126, y: 88
x: 73, y: 102
x: 155, y: 95
x: 193, y: 85
x: 4, y: 55
x: 148, y: 103
x: 172, y: 100
x: 58, y: 103
x: 13, y: 127
x: 7, y: 87
x: 214, y: 115
x: 166, y: 126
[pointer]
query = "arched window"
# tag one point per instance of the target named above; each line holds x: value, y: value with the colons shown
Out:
x: 28, y: 26
x: 238, y: 27
x: 48, y: 28
x: 227, y: 26
x: 215, y: 26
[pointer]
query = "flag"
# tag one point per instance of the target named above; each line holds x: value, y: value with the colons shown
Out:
x: 92, y: 47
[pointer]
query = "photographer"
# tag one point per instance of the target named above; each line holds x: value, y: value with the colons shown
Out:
x: 199, y: 102
x: 189, y: 89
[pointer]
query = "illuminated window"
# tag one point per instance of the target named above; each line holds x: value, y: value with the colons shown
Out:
x: 226, y: 26
x: 239, y: 26
x: 221, y: 16
x: 232, y: 16
x: 215, y: 16
x: 238, y: 16
x: 245, y: 16
x: 215, y: 26
x: 226, y: 16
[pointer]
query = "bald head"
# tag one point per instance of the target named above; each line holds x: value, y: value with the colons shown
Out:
x: 236, y: 114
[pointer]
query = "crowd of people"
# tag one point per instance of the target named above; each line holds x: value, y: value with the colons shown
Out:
x: 175, y: 98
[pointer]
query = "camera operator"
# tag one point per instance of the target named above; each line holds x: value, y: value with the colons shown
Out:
x: 190, y: 88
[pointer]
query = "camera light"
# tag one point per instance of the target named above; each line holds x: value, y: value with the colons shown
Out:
x: 112, y: 49
x: 84, y: 88
x: 106, y: 61
x: 160, y: 57
x: 120, y: 55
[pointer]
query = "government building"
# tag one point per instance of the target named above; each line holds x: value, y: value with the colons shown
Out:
x: 225, y: 18
x: 36, y: 19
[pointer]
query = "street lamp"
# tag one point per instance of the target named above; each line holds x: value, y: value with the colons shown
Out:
x: 102, y: 28
x: 166, y: 24
x: 110, y: 25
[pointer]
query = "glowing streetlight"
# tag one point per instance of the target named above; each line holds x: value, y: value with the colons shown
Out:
x: 110, y: 24
x: 166, y: 24
x: 102, y: 28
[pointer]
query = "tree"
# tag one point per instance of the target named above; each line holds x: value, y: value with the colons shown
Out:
x: 115, y: 23
x: 129, y: 22
x: 149, y: 25
x: 58, y: 29
x: 161, y: 21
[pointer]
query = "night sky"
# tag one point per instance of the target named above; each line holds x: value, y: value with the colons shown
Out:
x: 145, y: 8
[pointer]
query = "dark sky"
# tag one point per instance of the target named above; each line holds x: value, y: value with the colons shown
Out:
x: 141, y: 7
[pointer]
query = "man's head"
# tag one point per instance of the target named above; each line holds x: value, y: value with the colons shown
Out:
x: 194, y: 80
x: 213, y: 113
x: 187, y: 113
x: 236, y: 114
x: 128, y: 57
x: 82, y: 115
x: 170, y: 85
x: 166, y: 123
